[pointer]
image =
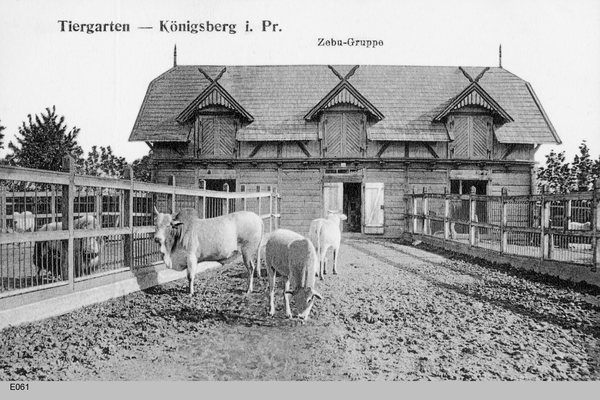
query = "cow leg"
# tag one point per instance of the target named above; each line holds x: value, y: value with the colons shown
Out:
x: 286, y: 298
x: 250, y: 267
x: 191, y: 271
x: 272, y: 275
x: 335, y: 257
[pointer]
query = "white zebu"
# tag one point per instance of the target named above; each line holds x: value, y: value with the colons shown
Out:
x: 325, y: 233
x: 292, y: 256
x: 186, y: 240
x: 49, y: 255
x: 23, y: 222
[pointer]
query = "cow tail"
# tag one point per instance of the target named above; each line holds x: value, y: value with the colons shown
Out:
x: 263, y: 242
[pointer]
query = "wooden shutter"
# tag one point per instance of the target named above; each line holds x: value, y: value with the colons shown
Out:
x: 374, y: 208
x: 353, y: 134
x: 333, y: 196
x: 226, y: 136
x: 333, y: 135
x: 479, y: 135
x: 461, y: 137
x: 208, y: 129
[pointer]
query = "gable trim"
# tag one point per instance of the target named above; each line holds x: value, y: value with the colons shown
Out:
x: 214, y: 94
x: 344, y: 92
x: 474, y: 94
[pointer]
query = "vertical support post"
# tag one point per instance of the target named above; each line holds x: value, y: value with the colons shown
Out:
x: 202, y: 206
x: 503, y: 221
x: 446, y: 217
x: 568, y: 214
x: 243, y: 190
x: 127, y: 211
x: 271, y: 209
x: 2, y: 209
x: 425, y: 212
x: 98, y: 206
x: 414, y: 213
x: 278, y: 211
x: 173, y: 195
x: 472, y: 216
x: 596, y: 226
x: 259, y: 212
x: 226, y: 202
x: 545, y: 211
x: 52, y: 203
x: 68, y: 203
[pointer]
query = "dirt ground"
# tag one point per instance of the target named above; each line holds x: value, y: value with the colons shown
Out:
x: 394, y: 312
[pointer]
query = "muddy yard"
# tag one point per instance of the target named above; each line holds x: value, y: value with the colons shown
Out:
x: 394, y: 312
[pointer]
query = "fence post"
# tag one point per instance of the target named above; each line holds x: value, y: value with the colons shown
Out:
x: 68, y: 203
x: 202, y: 199
x: 52, y: 204
x: 128, y: 220
x: 2, y: 209
x: 414, y: 212
x: 259, y: 201
x: 173, y: 195
x: 446, y: 215
x: 226, y: 200
x: 545, y: 217
x: 278, y: 211
x: 425, y: 212
x: 503, y: 221
x: 98, y: 206
x: 472, y: 216
x: 271, y: 212
x: 596, y: 225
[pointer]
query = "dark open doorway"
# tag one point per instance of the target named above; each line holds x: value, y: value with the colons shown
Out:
x: 352, y: 206
x: 462, y: 211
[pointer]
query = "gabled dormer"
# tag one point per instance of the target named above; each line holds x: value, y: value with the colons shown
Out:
x: 470, y: 119
x: 342, y: 116
x: 214, y: 117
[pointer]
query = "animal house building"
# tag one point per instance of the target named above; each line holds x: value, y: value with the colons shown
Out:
x: 356, y: 139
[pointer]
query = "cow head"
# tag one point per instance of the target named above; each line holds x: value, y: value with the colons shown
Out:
x: 166, y: 235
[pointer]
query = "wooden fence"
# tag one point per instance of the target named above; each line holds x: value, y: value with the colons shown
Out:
x: 42, y: 264
x: 548, y: 227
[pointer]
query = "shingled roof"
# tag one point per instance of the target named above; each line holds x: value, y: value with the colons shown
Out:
x: 279, y: 97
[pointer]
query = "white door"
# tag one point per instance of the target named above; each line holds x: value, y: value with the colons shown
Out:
x: 333, y: 197
x: 374, y: 220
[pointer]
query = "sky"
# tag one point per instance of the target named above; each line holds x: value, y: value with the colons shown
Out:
x: 98, y: 81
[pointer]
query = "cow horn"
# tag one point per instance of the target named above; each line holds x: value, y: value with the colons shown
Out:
x: 156, y: 210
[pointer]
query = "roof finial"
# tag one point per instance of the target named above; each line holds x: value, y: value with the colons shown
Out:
x: 175, y: 56
x: 500, y: 54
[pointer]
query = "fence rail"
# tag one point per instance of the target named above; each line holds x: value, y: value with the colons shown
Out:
x: 60, y: 230
x: 556, y: 227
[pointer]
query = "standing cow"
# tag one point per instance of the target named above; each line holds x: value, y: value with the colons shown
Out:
x: 186, y: 240
x: 292, y: 256
x: 325, y: 233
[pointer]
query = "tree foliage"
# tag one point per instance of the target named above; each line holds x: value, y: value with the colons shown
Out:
x: 561, y: 177
x: 103, y: 163
x: 43, y: 142
x: 142, y: 169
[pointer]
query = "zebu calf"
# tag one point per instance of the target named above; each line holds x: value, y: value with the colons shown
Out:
x: 49, y: 255
x: 325, y: 233
x: 292, y: 256
x: 186, y: 240
x: 23, y: 222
